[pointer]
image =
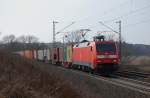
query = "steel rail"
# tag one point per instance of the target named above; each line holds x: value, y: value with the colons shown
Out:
x: 133, y: 85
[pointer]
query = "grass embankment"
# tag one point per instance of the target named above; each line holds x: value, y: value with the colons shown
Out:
x: 137, y: 63
x: 23, y: 78
x: 20, y: 78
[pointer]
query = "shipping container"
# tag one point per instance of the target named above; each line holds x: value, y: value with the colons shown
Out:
x: 46, y: 55
x: 65, y: 54
x: 29, y: 54
x: 35, y: 54
x: 69, y: 54
x: 40, y: 55
x: 21, y: 53
x: 50, y: 55
x: 61, y: 55
x: 55, y: 55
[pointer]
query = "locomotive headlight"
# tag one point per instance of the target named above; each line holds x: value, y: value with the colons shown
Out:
x: 112, y: 56
x: 101, y: 56
x: 114, y: 60
x: 106, y: 56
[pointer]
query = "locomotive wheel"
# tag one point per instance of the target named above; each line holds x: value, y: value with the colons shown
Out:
x: 85, y: 69
x: 82, y: 67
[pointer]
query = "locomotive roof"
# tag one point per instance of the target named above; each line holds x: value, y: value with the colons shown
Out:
x: 86, y: 44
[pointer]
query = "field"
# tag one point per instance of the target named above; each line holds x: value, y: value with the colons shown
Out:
x: 24, y: 78
x: 139, y: 63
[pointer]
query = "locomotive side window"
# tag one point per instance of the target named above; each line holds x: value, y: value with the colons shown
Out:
x: 106, y: 48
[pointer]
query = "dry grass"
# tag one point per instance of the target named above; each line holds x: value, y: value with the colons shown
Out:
x: 20, y: 78
x: 136, y: 60
x: 140, y: 63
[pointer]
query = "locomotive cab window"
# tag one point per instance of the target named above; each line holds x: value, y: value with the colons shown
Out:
x: 105, y: 48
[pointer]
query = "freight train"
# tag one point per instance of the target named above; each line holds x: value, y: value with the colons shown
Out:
x: 96, y: 56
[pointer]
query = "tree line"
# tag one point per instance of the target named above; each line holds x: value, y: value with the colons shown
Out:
x: 24, y: 42
x: 13, y: 43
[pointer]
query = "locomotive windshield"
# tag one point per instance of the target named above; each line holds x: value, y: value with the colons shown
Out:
x: 105, y: 48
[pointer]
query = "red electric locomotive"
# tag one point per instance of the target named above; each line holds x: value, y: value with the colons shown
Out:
x: 98, y: 55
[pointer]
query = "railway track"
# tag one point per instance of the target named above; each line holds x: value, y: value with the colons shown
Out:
x: 132, y: 74
x: 139, y: 86
x: 135, y: 81
x: 138, y: 77
x: 134, y: 77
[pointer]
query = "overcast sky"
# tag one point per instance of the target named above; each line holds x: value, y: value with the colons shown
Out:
x: 34, y: 17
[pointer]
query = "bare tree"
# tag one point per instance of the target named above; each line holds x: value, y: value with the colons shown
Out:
x: 74, y: 37
x: 11, y: 43
x: 9, y: 39
x: 28, y: 42
x: 22, y: 39
x: 27, y: 39
x: 31, y: 39
x: 1, y: 40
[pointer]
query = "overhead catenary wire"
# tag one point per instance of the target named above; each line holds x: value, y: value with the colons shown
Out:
x: 105, y: 12
x: 108, y: 27
x: 128, y: 14
x: 128, y: 25
x: 137, y: 23
x: 124, y: 15
x: 65, y: 28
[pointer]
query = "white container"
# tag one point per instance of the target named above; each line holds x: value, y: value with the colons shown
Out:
x: 40, y: 55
